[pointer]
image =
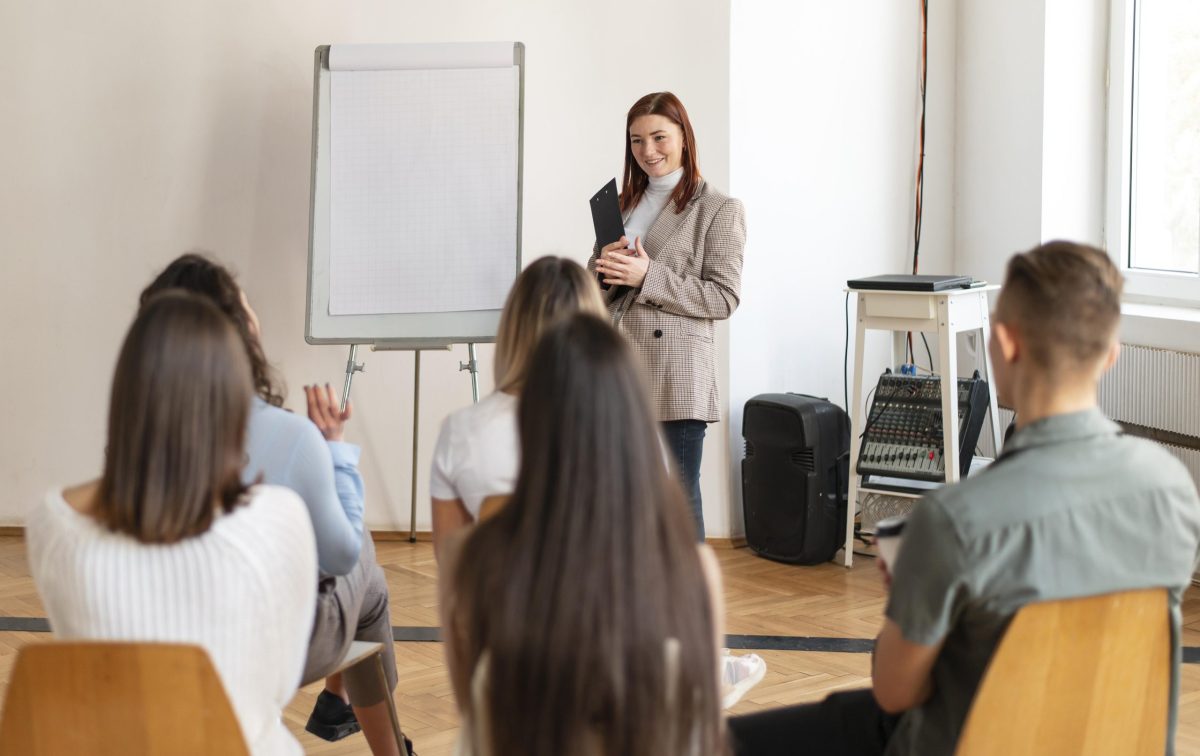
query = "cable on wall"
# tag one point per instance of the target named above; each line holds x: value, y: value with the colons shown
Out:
x: 920, y: 188
x: 921, y: 139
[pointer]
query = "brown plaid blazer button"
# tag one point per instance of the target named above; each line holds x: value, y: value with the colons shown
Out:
x: 658, y: 333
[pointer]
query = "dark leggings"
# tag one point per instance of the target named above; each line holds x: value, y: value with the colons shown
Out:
x: 844, y: 724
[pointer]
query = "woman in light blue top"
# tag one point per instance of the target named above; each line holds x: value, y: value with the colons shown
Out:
x: 289, y: 450
x: 310, y: 457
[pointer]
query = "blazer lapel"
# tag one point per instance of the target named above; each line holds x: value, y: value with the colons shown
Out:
x: 667, y: 223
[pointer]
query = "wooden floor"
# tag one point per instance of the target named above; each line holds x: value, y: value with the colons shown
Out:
x: 762, y: 597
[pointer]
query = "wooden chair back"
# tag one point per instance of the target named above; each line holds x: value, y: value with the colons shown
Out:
x: 117, y: 698
x: 492, y: 505
x: 1081, y: 676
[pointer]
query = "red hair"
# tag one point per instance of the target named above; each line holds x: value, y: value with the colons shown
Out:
x: 667, y: 105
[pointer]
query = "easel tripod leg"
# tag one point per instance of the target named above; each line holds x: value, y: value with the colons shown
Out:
x: 474, y: 372
x: 472, y: 366
x: 352, y: 367
x: 412, y: 517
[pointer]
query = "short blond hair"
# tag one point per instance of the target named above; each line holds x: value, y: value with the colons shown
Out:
x: 547, y: 290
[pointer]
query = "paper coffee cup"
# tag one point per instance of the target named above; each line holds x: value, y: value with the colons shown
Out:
x: 889, y: 534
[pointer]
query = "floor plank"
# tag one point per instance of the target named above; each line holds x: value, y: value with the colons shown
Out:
x: 762, y: 598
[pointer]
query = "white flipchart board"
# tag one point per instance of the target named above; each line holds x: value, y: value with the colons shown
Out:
x: 415, y: 215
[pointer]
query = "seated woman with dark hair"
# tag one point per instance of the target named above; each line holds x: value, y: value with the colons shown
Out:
x: 583, y: 618
x: 312, y: 459
x: 169, y: 545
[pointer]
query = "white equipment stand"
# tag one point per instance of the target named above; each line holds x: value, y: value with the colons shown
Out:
x: 946, y: 314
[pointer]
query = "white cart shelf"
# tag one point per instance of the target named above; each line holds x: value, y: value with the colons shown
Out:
x: 944, y: 314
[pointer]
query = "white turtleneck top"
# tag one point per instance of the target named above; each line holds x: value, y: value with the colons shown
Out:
x: 656, y: 197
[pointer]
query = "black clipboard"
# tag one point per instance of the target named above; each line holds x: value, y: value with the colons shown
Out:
x: 606, y: 217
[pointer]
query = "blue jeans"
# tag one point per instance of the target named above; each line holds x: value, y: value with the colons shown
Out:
x: 685, y: 438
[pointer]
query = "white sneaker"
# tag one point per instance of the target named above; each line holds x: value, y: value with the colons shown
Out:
x: 738, y: 675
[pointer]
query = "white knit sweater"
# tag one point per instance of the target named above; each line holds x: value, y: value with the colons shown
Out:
x: 245, y: 590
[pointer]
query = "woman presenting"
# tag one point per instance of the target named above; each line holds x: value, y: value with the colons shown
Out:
x: 677, y: 269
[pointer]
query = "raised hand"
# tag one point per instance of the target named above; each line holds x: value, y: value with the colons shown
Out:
x: 324, y: 412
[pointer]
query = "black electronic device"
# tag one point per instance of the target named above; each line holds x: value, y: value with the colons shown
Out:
x: 911, y: 283
x: 794, y: 477
x: 902, y: 436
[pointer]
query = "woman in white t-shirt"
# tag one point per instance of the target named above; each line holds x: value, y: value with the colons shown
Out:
x: 169, y: 545
x: 477, y: 453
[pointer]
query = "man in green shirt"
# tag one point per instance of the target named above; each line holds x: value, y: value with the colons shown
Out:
x: 1071, y: 508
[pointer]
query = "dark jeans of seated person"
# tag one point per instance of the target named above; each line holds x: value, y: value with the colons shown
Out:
x: 844, y: 724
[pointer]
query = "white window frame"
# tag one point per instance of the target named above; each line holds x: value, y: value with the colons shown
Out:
x: 1141, y: 285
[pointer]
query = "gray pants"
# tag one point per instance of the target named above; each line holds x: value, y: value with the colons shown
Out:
x: 349, y: 608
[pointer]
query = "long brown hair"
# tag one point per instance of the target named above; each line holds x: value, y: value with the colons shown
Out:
x: 202, y: 275
x: 667, y: 105
x: 578, y: 586
x: 176, y: 422
x: 548, y: 289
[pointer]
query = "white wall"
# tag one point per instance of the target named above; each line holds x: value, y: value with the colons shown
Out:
x: 825, y: 106
x: 1074, y: 120
x: 1031, y: 127
x: 137, y: 130
x: 998, y: 158
x: 141, y: 129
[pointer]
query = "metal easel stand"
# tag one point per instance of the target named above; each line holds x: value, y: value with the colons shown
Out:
x: 353, y: 367
x: 471, y: 364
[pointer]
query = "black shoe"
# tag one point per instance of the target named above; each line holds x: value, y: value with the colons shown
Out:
x: 332, y: 718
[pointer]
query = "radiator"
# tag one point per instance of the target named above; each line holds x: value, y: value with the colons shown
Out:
x: 1158, y: 389
x: 985, y: 447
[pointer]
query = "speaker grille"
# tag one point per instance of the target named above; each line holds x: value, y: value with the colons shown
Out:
x: 805, y: 459
x: 749, y: 448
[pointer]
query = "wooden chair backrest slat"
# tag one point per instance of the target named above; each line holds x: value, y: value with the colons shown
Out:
x: 1081, y: 676
x: 117, y: 698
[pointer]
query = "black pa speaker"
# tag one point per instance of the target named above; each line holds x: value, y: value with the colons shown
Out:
x: 795, y: 476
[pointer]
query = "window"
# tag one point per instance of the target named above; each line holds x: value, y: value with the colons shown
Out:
x: 1154, y: 146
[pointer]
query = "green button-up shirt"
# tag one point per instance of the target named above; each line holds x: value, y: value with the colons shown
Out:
x: 1071, y: 508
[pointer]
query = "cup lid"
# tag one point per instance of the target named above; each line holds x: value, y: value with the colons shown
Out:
x: 890, y: 527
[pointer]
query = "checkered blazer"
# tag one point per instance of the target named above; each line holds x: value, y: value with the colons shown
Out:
x: 694, y: 278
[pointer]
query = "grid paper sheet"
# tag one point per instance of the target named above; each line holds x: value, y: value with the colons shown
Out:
x: 423, y: 208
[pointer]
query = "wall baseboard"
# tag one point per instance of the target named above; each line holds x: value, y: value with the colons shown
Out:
x: 423, y: 536
x: 380, y: 536
x: 18, y: 531
x: 736, y: 542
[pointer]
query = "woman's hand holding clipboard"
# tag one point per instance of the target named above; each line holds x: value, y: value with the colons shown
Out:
x: 631, y: 266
